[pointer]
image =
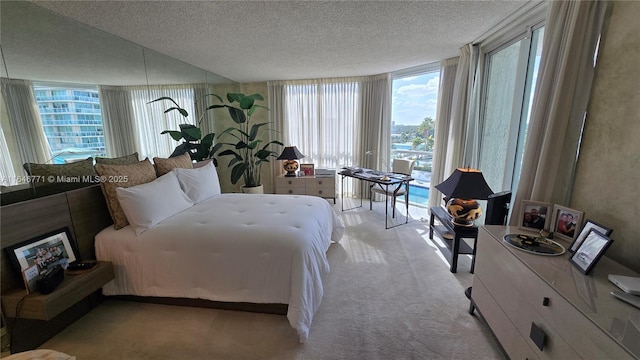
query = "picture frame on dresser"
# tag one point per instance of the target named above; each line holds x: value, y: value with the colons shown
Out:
x: 588, y: 225
x: 566, y: 222
x: 307, y: 170
x: 535, y: 215
x: 46, y: 251
x: 590, y: 251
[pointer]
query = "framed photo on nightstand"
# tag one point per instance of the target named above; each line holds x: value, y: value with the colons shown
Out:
x: 307, y: 170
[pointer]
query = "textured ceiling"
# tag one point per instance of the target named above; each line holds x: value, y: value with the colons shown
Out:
x: 272, y: 40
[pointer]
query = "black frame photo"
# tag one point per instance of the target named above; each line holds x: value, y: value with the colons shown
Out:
x: 531, y: 213
x: 566, y: 222
x: 590, y: 251
x: 588, y: 225
x: 45, y: 251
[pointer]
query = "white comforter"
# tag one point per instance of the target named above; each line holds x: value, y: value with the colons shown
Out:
x: 231, y: 247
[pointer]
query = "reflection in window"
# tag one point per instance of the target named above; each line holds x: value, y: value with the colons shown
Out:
x: 72, y: 122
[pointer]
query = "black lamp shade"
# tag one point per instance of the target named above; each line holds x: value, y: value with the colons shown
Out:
x: 290, y: 153
x: 465, y: 184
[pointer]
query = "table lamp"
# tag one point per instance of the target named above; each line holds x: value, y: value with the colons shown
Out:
x: 290, y: 154
x: 462, y: 189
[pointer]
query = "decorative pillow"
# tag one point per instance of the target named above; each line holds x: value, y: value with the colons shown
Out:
x: 148, y: 204
x: 115, y: 176
x: 79, y: 168
x: 163, y: 166
x: 199, y: 184
x: 122, y: 160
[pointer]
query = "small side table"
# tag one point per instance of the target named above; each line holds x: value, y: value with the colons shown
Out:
x: 455, y: 245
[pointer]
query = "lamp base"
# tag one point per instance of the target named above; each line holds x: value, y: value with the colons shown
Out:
x: 290, y: 166
x: 463, y: 212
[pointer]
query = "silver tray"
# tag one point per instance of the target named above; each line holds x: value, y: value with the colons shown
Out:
x: 534, y: 244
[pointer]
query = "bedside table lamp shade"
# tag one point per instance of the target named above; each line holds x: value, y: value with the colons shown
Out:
x: 462, y: 189
x: 290, y: 154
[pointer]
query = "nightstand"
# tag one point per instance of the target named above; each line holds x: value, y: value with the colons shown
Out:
x: 39, y: 317
x: 324, y: 187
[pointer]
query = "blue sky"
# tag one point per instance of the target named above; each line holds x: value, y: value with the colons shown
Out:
x: 414, y: 98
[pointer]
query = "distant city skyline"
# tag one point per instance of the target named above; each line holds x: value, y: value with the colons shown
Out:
x: 414, y: 98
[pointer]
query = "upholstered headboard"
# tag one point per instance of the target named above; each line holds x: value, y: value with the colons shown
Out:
x: 83, y: 210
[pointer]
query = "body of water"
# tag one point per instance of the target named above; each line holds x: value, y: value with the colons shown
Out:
x: 418, y: 194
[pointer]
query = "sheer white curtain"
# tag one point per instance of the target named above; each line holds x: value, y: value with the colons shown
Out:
x: 375, y: 132
x: 334, y: 122
x: 150, y: 119
x: 117, y: 121
x: 446, y: 93
x: 566, y: 73
x: 473, y: 127
x: 7, y: 173
x: 24, y: 119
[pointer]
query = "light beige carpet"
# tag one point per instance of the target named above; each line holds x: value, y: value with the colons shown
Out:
x: 389, y: 295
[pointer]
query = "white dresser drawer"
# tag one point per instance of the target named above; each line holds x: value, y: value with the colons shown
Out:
x: 545, y: 291
x: 327, y: 183
x: 503, y: 275
x: 586, y: 338
x: 510, y: 339
x: 316, y: 186
x: 291, y: 190
x: 290, y: 182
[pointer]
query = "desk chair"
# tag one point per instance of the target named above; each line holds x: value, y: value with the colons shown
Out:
x: 398, y: 166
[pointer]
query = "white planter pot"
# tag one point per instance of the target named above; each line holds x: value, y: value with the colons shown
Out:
x: 253, y: 190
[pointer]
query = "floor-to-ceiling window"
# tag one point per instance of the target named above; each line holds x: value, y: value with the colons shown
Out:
x: 414, y: 109
x: 511, y: 71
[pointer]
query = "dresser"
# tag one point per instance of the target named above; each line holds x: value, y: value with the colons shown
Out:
x: 542, y: 307
x: 324, y: 187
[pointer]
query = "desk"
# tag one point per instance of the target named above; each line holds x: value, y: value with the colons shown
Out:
x: 397, y: 180
x: 455, y: 245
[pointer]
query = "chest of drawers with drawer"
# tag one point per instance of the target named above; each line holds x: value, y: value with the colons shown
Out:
x: 324, y: 187
x: 525, y: 296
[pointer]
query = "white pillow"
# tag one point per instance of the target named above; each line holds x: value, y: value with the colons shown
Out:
x: 200, y: 183
x: 148, y: 204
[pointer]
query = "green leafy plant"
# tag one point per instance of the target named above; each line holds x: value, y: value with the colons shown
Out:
x: 199, y: 147
x: 247, y: 152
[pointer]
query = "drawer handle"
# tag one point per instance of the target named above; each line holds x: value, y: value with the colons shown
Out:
x: 320, y: 192
x: 538, y: 336
x: 545, y: 301
x: 290, y: 182
x: 320, y: 182
x: 290, y: 191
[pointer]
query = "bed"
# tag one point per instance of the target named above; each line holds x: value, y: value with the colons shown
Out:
x: 264, y: 249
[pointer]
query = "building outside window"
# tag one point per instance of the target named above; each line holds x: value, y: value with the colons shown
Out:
x: 414, y: 109
x: 72, y: 122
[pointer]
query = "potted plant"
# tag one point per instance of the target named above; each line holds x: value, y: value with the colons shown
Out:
x: 247, y: 150
x: 199, y: 148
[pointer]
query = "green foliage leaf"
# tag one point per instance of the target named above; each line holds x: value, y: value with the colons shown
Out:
x: 253, y: 133
x: 264, y: 154
x: 254, y: 108
x: 208, y: 139
x: 237, y: 172
x: 237, y: 115
x: 234, y: 97
x: 217, y: 96
x: 241, y: 145
x: 192, y: 133
x: 176, y: 135
x: 246, y: 103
